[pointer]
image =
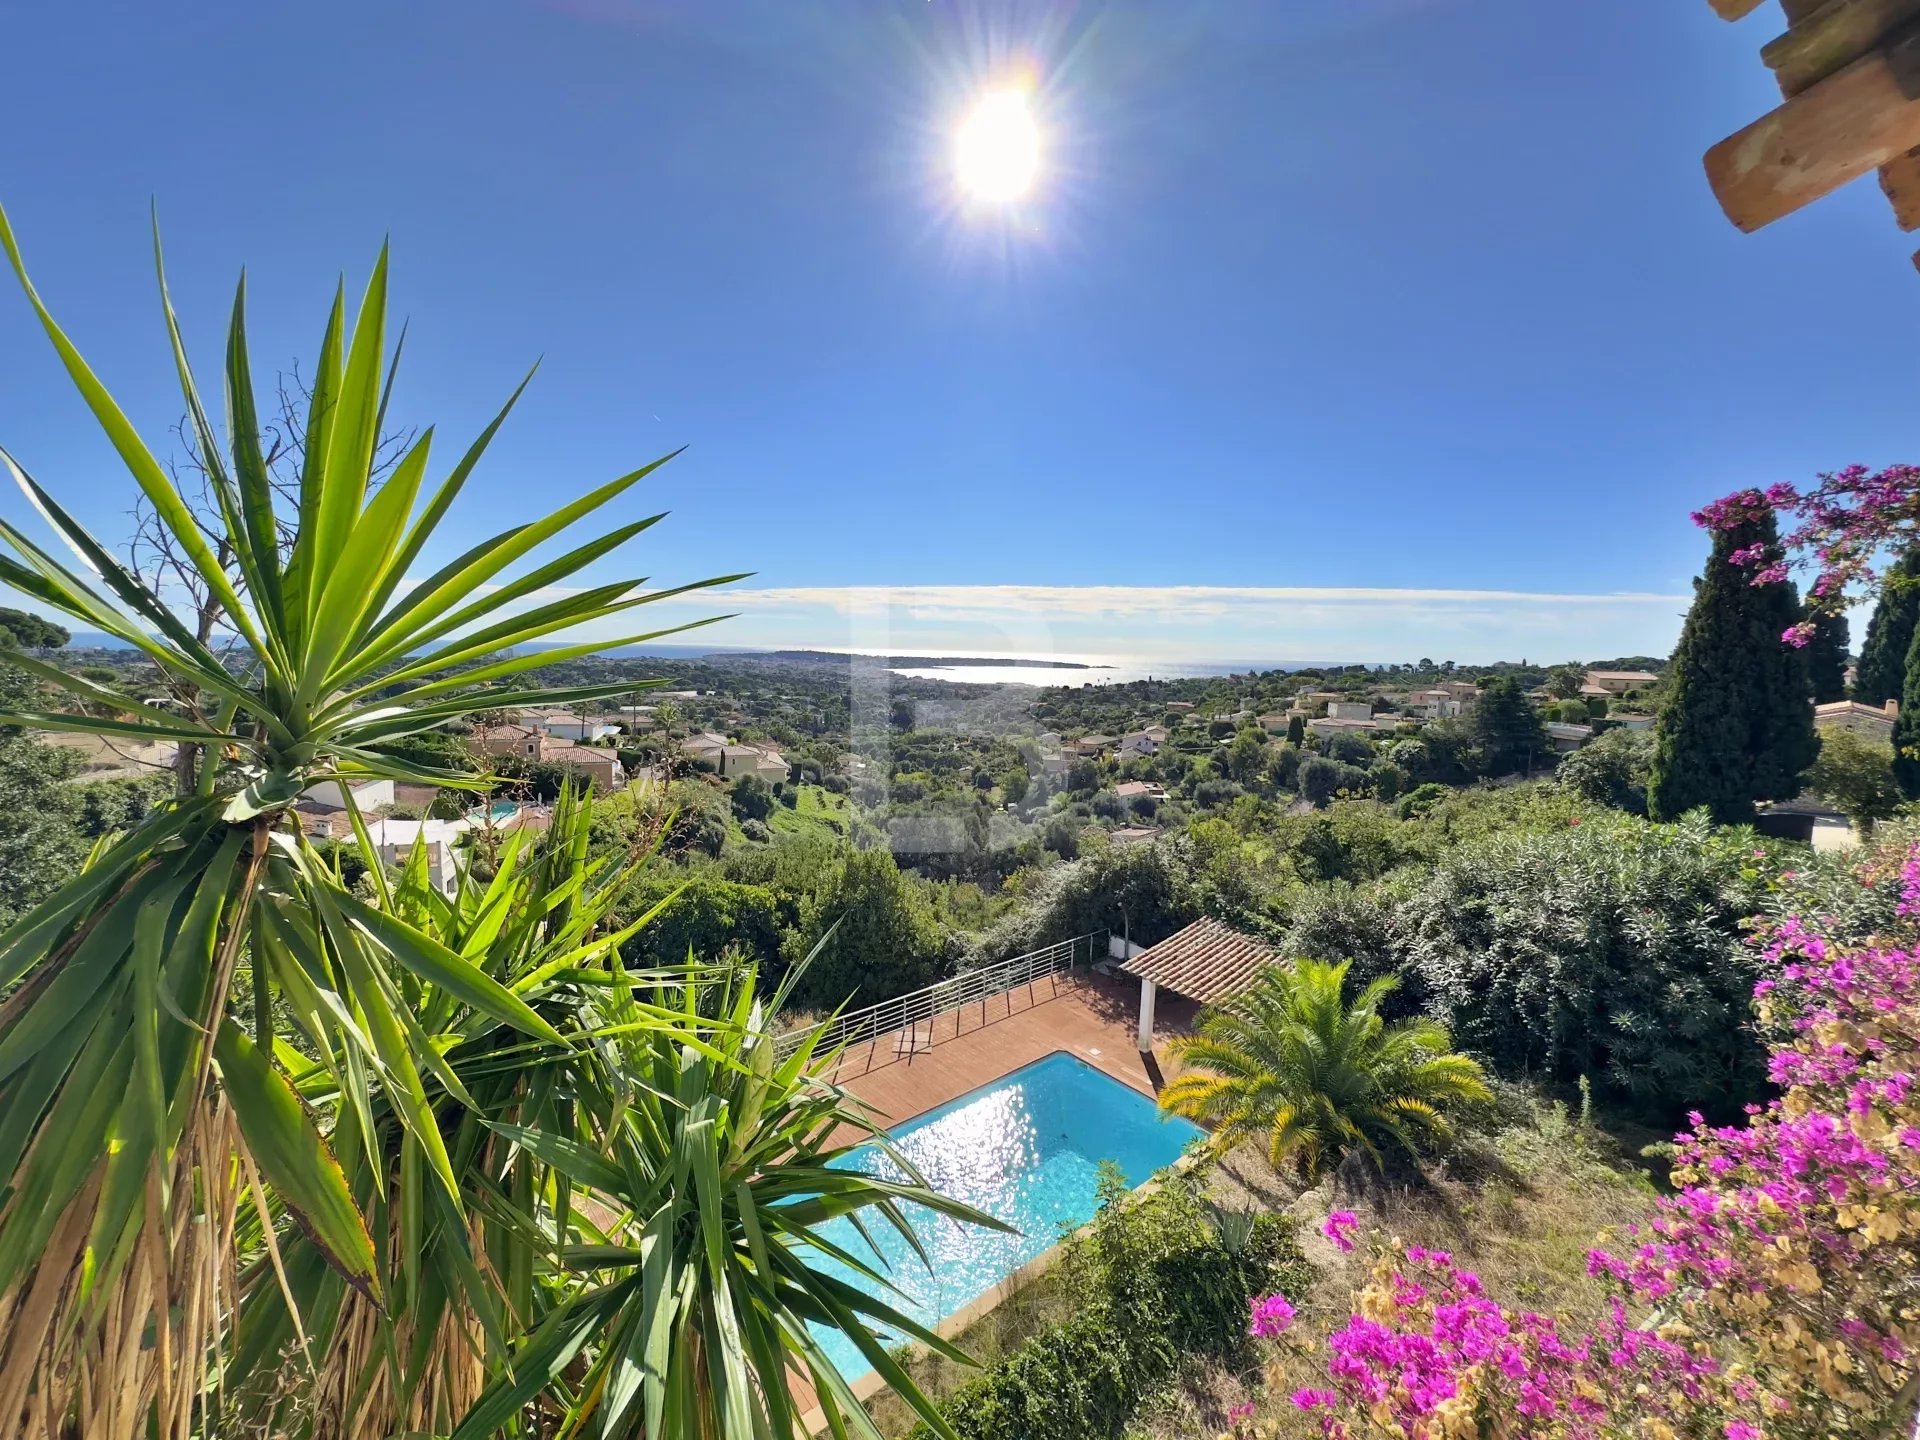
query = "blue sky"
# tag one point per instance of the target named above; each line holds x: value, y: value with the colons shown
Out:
x: 1358, y: 329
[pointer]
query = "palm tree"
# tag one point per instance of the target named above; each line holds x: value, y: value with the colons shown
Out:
x: 1321, y: 1079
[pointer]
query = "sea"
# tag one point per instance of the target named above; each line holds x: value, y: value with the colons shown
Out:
x: 1119, y: 672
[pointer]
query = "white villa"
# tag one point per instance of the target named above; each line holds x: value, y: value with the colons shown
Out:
x: 565, y: 725
x: 1352, y: 715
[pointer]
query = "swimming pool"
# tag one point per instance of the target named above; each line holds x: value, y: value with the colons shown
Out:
x: 1026, y: 1149
x: 496, y: 812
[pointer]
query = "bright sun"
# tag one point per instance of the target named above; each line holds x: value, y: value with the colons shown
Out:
x: 997, y: 152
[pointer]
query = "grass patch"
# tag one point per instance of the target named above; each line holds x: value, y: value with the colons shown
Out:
x: 818, y: 811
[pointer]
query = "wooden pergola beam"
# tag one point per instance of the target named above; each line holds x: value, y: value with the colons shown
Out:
x: 1853, y: 121
x: 1900, y: 183
x: 1735, y: 9
x: 1831, y: 38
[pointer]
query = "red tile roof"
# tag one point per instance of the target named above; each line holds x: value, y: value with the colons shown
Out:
x: 1207, y: 961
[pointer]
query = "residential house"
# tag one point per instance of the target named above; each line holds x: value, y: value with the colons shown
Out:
x: 1631, y: 722
x: 1092, y: 744
x: 1130, y: 792
x: 368, y: 795
x: 1274, y: 722
x: 705, y: 748
x: 1436, y: 704
x: 1566, y: 737
x: 1464, y: 691
x: 1872, y: 722
x: 1352, y: 715
x: 525, y: 742
x: 733, y: 760
x: 1133, y: 834
x: 760, y: 760
x: 565, y: 725
x: 1136, y: 746
x: 1159, y: 734
x: 1616, y: 682
x: 601, y: 767
x: 1179, y: 707
x: 396, y: 840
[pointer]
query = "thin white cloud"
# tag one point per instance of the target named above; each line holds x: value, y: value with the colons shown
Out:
x: 1194, y: 623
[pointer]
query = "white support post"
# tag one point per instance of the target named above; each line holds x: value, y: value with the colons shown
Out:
x: 1146, y: 1015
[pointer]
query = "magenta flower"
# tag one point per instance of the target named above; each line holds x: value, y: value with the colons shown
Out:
x: 1272, y: 1315
x: 1339, y: 1228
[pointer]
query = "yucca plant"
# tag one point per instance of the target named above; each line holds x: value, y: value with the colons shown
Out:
x: 716, y: 1160
x: 135, y: 1113
x: 1291, y: 1060
x: 456, y: 1283
x: 631, y: 1252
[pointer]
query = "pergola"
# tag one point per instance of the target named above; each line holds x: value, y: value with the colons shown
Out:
x: 1207, y: 961
x: 1850, y: 72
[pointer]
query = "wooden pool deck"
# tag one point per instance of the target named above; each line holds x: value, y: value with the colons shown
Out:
x: 1091, y: 1017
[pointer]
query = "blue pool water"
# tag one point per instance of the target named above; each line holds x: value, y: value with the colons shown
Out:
x: 499, y: 810
x: 1026, y: 1149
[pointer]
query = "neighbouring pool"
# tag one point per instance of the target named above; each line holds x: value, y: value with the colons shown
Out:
x: 499, y: 810
x: 1026, y: 1149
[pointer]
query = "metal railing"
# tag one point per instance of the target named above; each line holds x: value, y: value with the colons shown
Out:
x: 904, y: 1014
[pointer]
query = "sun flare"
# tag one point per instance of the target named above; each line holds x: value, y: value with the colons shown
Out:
x: 997, y: 151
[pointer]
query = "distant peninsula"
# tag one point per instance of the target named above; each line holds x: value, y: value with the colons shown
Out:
x: 928, y: 661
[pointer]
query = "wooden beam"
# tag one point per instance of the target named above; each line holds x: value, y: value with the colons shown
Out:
x: 1734, y: 9
x: 1833, y: 37
x: 1816, y: 142
x: 1900, y: 183
x: 1799, y: 10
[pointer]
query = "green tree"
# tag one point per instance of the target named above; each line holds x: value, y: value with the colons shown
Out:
x: 1857, y: 775
x: 705, y: 918
x: 40, y: 845
x: 1881, y: 675
x: 1611, y: 769
x: 1296, y: 730
x: 1247, y: 758
x: 1013, y: 784
x: 1736, y: 727
x: 875, y: 931
x: 751, y: 798
x: 1507, y: 728
x: 1564, y: 681
x: 1290, y: 1060
x: 1826, y: 657
x: 30, y: 631
x: 1321, y: 779
x: 1906, y: 727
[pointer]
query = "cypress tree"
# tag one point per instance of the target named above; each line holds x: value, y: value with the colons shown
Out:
x: 1296, y: 730
x: 1827, y: 659
x: 1906, y: 729
x: 1508, y: 727
x: 1736, y: 726
x: 1883, y: 654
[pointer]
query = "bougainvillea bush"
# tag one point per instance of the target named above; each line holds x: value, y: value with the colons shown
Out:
x: 1775, y: 1293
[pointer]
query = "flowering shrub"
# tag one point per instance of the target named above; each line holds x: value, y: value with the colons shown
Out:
x: 1777, y: 1293
x: 1838, y: 526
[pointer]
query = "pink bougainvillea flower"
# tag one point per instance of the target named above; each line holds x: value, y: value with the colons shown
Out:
x: 1339, y: 1228
x: 1272, y: 1315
